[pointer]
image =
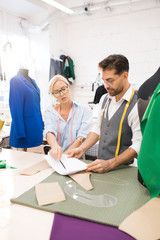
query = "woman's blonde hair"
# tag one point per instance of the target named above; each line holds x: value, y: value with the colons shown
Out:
x: 55, y: 79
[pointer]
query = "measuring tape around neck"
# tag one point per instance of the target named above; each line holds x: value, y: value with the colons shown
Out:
x: 121, y: 122
x: 59, y: 139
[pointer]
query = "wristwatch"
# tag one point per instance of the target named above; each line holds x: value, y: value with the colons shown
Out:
x: 81, y: 139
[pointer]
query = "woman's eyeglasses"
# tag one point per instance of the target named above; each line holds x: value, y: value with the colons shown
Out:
x: 63, y: 90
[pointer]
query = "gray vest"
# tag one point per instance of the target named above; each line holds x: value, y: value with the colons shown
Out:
x: 110, y: 128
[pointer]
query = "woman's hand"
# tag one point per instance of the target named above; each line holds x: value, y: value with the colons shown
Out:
x: 56, y: 152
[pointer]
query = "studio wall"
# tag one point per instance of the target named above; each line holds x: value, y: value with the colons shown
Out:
x: 88, y: 39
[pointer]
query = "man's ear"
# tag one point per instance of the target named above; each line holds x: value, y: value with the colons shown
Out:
x: 125, y: 75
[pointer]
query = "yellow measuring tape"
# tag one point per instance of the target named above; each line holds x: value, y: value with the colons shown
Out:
x: 121, y: 122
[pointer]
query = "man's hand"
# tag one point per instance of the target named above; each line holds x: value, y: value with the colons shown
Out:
x: 75, y: 152
x: 56, y: 152
x: 100, y: 166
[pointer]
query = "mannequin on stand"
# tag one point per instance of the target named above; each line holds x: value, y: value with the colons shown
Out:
x: 144, y: 95
x: 25, y: 73
x: 24, y: 101
x: 147, y: 88
x: 145, y: 92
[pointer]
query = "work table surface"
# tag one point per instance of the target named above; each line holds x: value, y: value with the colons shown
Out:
x: 19, y: 222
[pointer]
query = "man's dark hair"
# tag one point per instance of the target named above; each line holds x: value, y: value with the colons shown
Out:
x: 116, y: 61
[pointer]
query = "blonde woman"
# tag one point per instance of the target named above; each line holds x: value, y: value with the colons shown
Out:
x: 67, y: 123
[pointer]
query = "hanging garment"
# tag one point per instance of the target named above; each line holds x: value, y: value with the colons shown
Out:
x: 68, y: 71
x: 27, y: 124
x: 62, y: 64
x: 98, y: 94
x: 149, y: 156
x: 54, y: 68
x: 144, y: 94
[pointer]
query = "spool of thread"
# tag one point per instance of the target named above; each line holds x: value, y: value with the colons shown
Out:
x: 2, y: 163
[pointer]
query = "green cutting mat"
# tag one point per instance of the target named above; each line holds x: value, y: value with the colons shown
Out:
x: 122, y: 184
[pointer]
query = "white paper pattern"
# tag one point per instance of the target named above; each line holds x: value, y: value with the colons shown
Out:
x: 72, y: 165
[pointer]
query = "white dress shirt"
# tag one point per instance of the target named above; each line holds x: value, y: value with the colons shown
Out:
x: 133, y: 118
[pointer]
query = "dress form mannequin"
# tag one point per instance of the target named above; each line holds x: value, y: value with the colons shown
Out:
x: 24, y: 101
x: 147, y: 88
x: 144, y: 94
x: 25, y: 73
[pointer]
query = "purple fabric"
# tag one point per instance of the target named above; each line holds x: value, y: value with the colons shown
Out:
x: 70, y: 228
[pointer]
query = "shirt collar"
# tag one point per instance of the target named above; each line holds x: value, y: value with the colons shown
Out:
x: 75, y: 103
x: 126, y: 96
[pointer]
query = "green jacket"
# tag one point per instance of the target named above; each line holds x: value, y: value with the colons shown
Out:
x: 69, y: 69
x: 149, y: 156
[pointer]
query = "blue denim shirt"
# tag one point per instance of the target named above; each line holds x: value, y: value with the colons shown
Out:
x: 82, y: 123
